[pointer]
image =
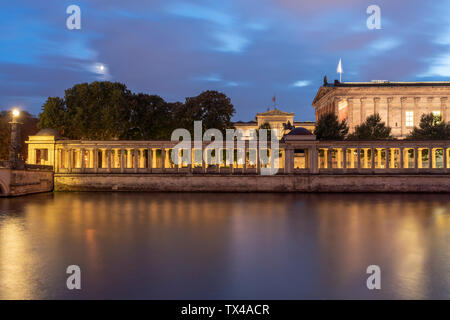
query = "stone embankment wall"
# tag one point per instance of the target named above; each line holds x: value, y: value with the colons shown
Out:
x: 253, y: 183
x: 22, y: 182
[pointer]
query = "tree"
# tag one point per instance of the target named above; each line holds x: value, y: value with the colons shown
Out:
x: 329, y: 128
x: 28, y: 128
x: 109, y: 111
x: 372, y: 129
x: 213, y: 108
x: 53, y: 115
x: 151, y: 118
x: 99, y: 110
x: 431, y: 127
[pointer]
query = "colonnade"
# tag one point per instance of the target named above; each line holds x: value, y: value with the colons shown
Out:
x: 293, y: 157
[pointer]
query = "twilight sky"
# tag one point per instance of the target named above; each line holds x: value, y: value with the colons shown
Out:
x: 248, y: 49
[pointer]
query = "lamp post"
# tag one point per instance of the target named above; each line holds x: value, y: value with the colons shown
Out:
x: 15, y: 146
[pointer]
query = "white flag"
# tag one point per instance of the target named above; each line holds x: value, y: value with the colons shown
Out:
x: 339, y: 67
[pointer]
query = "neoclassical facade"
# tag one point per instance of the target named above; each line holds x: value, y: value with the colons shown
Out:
x: 276, y: 119
x: 400, y: 104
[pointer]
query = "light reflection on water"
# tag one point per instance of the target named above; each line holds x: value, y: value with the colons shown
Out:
x: 225, y: 246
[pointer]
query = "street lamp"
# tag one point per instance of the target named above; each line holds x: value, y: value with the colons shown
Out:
x: 15, y: 146
x: 15, y: 113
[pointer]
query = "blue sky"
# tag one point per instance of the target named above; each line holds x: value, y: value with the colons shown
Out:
x: 248, y: 49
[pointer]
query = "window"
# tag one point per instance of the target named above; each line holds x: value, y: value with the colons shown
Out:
x: 437, y: 114
x: 41, y: 156
x: 409, y: 118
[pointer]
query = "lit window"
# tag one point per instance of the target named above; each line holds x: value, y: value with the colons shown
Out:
x: 436, y: 113
x: 409, y: 118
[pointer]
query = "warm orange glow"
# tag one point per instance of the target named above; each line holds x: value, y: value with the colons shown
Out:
x: 15, y: 112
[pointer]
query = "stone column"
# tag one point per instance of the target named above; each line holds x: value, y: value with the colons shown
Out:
x: 402, y: 161
x: 95, y: 160
x: 258, y: 159
x: 57, y: 163
x: 244, y: 166
x: 389, y: 113
x: 372, y: 158
x: 429, y: 107
x: 403, y: 101
x: 416, y: 158
x: 388, y: 156
x: 315, y: 160
x: 122, y: 160
x: 445, y: 157
x: 358, y: 157
x: 350, y: 113
x: 376, y: 106
x: 163, y: 159
x: 70, y: 159
x: 108, y: 155
x: 82, y: 160
x: 136, y: 160
x: 289, y: 160
x: 149, y: 159
x: 344, y: 158
x: 431, y: 159
x: 363, y: 111
x: 378, y: 150
x: 329, y: 158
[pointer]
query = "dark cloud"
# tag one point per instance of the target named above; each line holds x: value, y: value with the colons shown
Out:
x: 249, y: 49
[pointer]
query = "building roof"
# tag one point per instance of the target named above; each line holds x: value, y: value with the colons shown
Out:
x: 299, y: 134
x: 274, y: 112
x: 386, y: 83
x: 245, y: 123
x: 48, y: 132
x: 327, y: 87
x: 299, y: 131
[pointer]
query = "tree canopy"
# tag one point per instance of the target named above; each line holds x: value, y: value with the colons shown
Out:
x: 329, y: 128
x: 109, y: 111
x: 431, y: 127
x: 371, y: 129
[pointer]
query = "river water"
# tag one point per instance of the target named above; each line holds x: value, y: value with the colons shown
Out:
x: 225, y: 246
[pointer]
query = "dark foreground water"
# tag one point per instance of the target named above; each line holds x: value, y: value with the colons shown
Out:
x: 225, y: 246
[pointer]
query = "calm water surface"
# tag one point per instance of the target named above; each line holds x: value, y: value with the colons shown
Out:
x: 225, y: 246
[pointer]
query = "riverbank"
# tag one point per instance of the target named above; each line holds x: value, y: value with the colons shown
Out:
x: 253, y: 183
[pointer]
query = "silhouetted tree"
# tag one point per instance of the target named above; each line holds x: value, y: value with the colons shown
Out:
x: 329, y: 128
x: 372, y: 129
x: 213, y: 108
x: 99, y: 110
x: 431, y: 127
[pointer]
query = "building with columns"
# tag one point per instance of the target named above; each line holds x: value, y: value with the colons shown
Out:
x: 399, y: 104
x: 276, y: 119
